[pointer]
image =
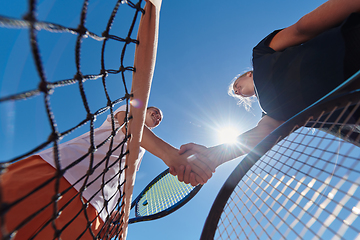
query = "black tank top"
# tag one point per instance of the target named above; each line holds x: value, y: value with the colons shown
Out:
x: 288, y: 81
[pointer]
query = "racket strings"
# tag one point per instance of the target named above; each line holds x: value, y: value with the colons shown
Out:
x: 165, y: 193
x: 305, y: 186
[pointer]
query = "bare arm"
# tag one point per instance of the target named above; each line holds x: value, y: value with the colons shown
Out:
x: 246, y: 141
x: 169, y: 154
x: 326, y: 16
x: 217, y: 155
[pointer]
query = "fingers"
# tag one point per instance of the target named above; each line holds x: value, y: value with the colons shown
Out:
x: 191, y: 146
x: 200, y: 165
x: 112, y: 226
x: 110, y: 229
x: 187, y: 174
x: 199, y: 169
x: 185, y: 147
x: 193, y: 180
x: 205, y: 163
x: 115, y: 216
x: 172, y: 171
x: 180, y: 173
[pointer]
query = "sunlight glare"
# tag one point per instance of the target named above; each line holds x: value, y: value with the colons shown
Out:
x: 228, y: 135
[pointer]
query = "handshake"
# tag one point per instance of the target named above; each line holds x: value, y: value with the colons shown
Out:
x: 194, y: 164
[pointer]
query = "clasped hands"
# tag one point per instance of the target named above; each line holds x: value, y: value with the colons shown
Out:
x: 196, y: 167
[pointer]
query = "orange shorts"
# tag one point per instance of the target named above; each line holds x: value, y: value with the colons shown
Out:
x: 23, y: 177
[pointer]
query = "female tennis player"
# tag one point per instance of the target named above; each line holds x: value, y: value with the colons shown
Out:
x: 292, y: 68
x: 33, y: 214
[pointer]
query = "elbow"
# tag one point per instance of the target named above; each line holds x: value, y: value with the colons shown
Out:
x: 300, y: 27
x: 304, y: 30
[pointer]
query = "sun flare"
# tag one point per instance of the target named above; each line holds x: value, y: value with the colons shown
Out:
x: 228, y: 135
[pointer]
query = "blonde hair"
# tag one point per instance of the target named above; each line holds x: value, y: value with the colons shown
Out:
x: 245, y: 101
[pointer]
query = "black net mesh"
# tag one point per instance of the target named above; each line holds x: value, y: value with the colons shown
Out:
x: 114, y: 35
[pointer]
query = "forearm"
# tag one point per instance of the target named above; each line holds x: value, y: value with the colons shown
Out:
x: 152, y: 143
x: 245, y: 142
x: 157, y: 146
x: 289, y: 37
x: 169, y: 154
x: 326, y: 16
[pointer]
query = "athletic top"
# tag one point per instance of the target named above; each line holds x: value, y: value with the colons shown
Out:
x: 288, y: 81
x: 76, y: 148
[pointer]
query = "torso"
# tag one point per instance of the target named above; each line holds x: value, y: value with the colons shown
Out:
x: 288, y: 81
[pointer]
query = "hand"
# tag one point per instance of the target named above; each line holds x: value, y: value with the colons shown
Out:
x: 201, y: 158
x: 111, y: 226
x: 197, y: 159
x: 191, y: 172
x: 196, y: 173
x: 171, y: 157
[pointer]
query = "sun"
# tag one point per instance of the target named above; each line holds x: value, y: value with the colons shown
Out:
x: 228, y: 135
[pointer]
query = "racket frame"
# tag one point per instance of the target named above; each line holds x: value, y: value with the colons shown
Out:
x: 164, y: 212
x: 325, y: 104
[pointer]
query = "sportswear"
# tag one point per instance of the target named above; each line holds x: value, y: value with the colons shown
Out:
x: 290, y: 80
x: 75, y: 149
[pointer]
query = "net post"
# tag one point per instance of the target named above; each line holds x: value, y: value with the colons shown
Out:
x: 144, y: 63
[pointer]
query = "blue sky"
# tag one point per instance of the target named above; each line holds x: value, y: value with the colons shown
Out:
x: 202, y: 46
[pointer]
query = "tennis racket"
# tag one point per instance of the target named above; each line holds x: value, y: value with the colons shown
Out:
x: 299, y: 182
x: 162, y: 196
